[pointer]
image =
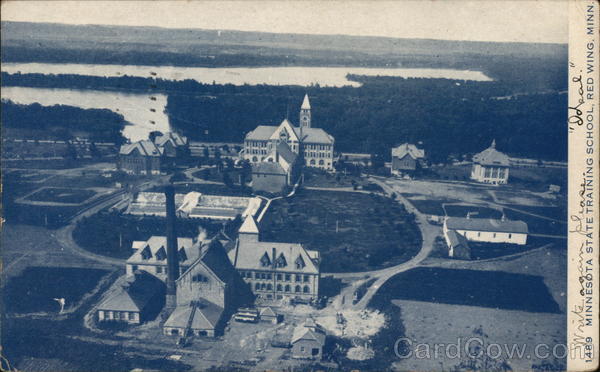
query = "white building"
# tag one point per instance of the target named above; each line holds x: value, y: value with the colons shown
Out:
x: 490, y: 166
x: 487, y: 230
x: 313, y: 144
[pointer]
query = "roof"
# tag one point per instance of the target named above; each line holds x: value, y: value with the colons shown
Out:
x: 249, y: 226
x: 283, y: 149
x: 491, y: 156
x: 316, y: 135
x: 206, y: 315
x: 408, y: 149
x: 175, y: 139
x: 268, y: 167
x: 310, y: 135
x: 145, y: 147
x: 455, y: 239
x: 267, y: 311
x: 309, y: 332
x: 305, y: 103
x: 155, y: 244
x: 247, y: 256
x: 214, y: 258
x: 131, y: 293
x: 486, y: 224
x: 195, y: 205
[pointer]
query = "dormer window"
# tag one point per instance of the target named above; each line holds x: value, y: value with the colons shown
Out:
x: 264, y: 260
x: 199, y: 278
x: 161, y: 254
x: 281, y: 261
x: 182, y: 255
x: 300, y: 264
x: 146, y: 254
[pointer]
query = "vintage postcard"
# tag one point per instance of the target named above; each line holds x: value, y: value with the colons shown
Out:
x: 299, y: 186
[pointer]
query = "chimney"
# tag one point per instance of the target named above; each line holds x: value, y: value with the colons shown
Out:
x: 172, y: 256
x: 274, y: 258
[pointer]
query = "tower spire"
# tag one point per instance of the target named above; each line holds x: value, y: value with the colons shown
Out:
x: 305, y: 115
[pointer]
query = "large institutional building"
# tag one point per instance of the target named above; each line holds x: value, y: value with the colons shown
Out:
x: 313, y: 144
x: 275, y: 271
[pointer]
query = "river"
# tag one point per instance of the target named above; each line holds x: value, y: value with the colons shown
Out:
x: 135, y: 108
x: 303, y: 76
x: 145, y: 112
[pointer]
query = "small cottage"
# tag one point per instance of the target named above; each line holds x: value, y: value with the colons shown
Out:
x: 406, y: 158
x: 133, y: 299
x: 308, y: 341
x: 268, y: 315
x: 490, y: 166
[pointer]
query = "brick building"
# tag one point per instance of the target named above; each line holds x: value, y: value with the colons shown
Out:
x: 275, y: 271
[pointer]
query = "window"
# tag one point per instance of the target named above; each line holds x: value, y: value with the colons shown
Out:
x: 279, y: 288
x: 159, y: 269
x: 509, y: 236
x: 478, y: 234
x: 257, y: 286
x: 134, y: 268
x: 263, y: 286
x: 287, y: 288
x: 131, y: 316
x: 288, y: 277
x: 494, y: 235
x: 297, y: 289
x: 279, y: 276
x: 269, y: 287
x: 298, y: 278
x: 306, y: 278
x: 306, y: 289
x: 269, y: 276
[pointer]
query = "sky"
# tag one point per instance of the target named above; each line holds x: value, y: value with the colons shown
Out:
x: 542, y: 21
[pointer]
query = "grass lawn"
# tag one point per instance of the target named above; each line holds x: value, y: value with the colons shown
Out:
x: 61, y: 195
x: 493, y: 289
x: 476, y: 211
x: 35, y: 288
x: 430, y: 206
x: 320, y: 178
x: 538, y: 225
x: 372, y: 231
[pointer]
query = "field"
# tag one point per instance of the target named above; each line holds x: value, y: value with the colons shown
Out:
x: 429, y: 206
x: 33, y: 291
x: 111, y: 233
x: 525, y: 295
x: 476, y: 211
x: 353, y: 231
x: 61, y: 195
x: 494, y: 289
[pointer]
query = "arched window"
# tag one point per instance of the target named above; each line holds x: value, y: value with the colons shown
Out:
x: 321, y: 162
x: 305, y: 289
x: 279, y: 288
x: 287, y: 288
x: 297, y: 289
x: 312, y: 161
x: 263, y: 286
x: 269, y: 287
x: 257, y: 286
x: 254, y: 159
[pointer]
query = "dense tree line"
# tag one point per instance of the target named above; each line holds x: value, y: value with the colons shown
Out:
x: 63, y: 122
x: 449, y: 117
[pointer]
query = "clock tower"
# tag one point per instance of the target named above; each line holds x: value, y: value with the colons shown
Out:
x: 305, y: 113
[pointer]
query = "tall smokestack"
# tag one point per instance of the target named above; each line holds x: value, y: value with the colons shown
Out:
x: 172, y: 256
